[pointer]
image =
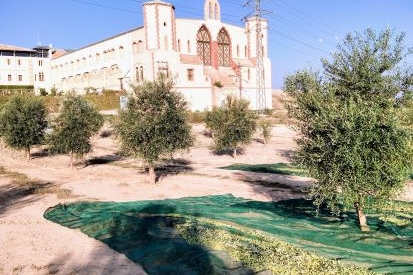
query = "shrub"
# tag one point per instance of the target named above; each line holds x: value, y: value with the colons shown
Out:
x: 231, y: 125
x: 73, y: 127
x: 22, y: 122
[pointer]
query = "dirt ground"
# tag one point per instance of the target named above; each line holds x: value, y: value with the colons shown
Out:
x: 30, y: 244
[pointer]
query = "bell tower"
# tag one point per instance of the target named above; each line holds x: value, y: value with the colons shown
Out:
x: 160, y: 27
x: 212, y: 10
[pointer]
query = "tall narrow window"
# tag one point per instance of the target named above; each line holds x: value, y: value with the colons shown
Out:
x: 224, y: 51
x: 135, y: 47
x: 9, y: 77
x: 19, y: 62
x: 203, y: 45
x: 237, y: 50
x: 179, y: 45
x: 245, y: 51
x: 166, y: 42
x: 190, y: 74
x: 210, y: 11
x: 8, y: 61
x: 216, y: 12
x: 41, y: 76
x: 189, y: 46
x: 20, y: 77
x: 40, y: 63
x: 141, y: 72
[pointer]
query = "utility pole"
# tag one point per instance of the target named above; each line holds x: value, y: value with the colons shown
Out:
x: 259, y: 66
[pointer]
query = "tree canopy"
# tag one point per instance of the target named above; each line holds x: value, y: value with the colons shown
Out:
x: 351, y: 137
x: 23, y: 122
x: 155, y: 122
x: 73, y: 127
x: 231, y: 125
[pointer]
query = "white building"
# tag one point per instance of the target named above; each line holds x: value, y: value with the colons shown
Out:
x: 210, y: 59
x: 25, y: 67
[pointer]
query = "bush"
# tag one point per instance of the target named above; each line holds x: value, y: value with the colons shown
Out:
x: 22, y: 122
x: 73, y: 127
x: 155, y: 123
x: 264, y: 128
x: 197, y: 117
x: 231, y: 125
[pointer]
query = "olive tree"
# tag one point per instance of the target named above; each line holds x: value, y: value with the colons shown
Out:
x: 22, y: 122
x: 351, y: 138
x: 73, y: 127
x: 155, y: 123
x: 232, y: 125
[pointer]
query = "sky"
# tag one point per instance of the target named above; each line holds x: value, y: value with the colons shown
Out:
x: 301, y: 32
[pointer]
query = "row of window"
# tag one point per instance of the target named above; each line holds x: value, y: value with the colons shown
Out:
x: 19, y: 62
x: 39, y: 76
x: 105, y: 56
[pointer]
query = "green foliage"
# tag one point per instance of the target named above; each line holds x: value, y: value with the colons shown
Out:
x: 155, y: 122
x: 231, y: 125
x: 262, y: 252
x: 54, y: 91
x: 264, y: 128
x: 43, y: 92
x: 197, y: 117
x: 108, y: 100
x: 351, y: 139
x: 74, y: 126
x: 22, y: 122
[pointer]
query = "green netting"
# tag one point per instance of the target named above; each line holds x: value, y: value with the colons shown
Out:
x: 273, y: 168
x: 155, y: 233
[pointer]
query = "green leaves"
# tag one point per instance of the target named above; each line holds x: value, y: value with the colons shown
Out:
x: 22, y: 122
x: 351, y: 138
x: 232, y: 125
x: 155, y: 123
x: 74, y: 126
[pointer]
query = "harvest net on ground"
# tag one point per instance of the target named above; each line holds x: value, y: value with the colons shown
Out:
x: 228, y: 235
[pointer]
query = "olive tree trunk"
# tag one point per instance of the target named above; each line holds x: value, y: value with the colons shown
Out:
x: 362, y: 217
x: 71, y: 160
x: 152, y: 176
x: 28, y: 154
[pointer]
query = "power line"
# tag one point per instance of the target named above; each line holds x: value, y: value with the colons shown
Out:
x: 308, y: 33
x: 259, y: 66
x: 299, y: 41
x: 309, y: 20
x: 104, y: 6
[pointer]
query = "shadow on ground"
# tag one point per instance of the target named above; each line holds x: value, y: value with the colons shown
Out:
x: 172, y: 167
x: 102, y: 160
x: 13, y: 196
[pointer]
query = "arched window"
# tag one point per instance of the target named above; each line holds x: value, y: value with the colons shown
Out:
x: 210, y: 11
x: 216, y: 16
x: 203, y: 45
x: 224, y: 51
x: 139, y: 73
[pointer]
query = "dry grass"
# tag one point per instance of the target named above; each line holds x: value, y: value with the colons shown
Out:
x: 37, y: 187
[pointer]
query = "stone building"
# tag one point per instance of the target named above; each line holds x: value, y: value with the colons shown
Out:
x: 209, y: 58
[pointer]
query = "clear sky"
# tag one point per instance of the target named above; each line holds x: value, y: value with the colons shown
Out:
x: 301, y: 31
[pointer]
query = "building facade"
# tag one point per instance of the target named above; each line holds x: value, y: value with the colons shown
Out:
x: 209, y: 59
x: 25, y: 67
